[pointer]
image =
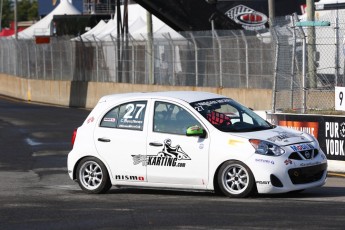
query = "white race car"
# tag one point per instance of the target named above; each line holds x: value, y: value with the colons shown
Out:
x: 190, y: 140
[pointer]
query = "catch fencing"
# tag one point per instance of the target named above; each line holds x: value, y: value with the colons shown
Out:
x: 236, y: 59
x: 309, y: 64
x: 302, y: 72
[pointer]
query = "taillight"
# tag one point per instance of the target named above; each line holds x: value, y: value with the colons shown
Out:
x: 74, y: 136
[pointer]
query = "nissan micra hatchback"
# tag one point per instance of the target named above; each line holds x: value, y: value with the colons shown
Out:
x: 190, y: 140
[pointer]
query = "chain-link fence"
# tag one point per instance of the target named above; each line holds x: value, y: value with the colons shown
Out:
x: 235, y: 59
x: 310, y: 63
x: 301, y: 65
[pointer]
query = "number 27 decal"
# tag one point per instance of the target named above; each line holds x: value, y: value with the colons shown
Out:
x: 134, y: 109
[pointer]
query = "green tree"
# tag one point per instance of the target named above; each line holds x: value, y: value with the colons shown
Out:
x: 27, y: 10
x: 33, y: 11
x: 7, y: 13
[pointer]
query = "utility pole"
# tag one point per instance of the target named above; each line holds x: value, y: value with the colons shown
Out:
x: 1, y: 3
x: 150, y: 47
x: 311, y: 45
x: 15, y: 20
x: 271, y: 11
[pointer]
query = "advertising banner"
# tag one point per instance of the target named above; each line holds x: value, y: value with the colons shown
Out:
x: 253, y: 14
x: 329, y: 131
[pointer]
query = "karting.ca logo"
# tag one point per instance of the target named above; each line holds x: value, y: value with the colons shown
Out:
x: 169, y: 156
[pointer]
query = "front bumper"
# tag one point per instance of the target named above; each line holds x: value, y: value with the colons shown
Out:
x: 307, y: 174
x: 284, y: 173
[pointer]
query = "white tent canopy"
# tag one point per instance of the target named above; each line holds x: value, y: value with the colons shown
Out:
x: 95, y: 29
x: 106, y: 29
x: 44, y: 26
x: 137, y: 27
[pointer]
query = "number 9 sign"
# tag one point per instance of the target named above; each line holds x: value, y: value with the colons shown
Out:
x: 339, y: 98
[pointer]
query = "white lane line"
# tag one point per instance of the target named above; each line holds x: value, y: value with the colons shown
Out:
x: 31, y: 142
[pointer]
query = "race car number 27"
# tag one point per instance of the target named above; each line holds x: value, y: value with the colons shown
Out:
x: 131, y: 108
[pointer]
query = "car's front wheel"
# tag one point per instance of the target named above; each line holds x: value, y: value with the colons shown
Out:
x: 92, y: 176
x: 235, y: 179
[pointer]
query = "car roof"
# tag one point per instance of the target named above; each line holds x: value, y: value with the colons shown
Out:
x: 187, y: 96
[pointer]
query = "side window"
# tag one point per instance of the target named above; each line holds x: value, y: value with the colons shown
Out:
x: 171, y: 118
x: 126, y: 116
x: 110, y: 119
x: 248, y: 119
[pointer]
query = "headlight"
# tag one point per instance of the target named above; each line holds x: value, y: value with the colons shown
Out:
x: 266, y: 148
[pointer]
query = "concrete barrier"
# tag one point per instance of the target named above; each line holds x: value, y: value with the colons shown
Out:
x: 87, y: 94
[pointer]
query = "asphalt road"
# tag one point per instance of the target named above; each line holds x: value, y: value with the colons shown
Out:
x: 36, y: 192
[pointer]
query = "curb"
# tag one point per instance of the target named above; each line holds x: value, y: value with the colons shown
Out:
x: 332, y: 174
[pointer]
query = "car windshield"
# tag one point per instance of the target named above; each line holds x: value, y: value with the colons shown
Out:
x: 229, y: 116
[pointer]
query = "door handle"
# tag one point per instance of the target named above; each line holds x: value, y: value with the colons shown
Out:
x: 156, y: 144
x: 103, y: 139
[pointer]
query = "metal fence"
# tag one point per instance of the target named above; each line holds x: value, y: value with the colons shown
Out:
x: 302, y: 72
x: 216, y: 59
x: 309, y: 64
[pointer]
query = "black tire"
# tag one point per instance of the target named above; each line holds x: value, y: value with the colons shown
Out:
x: 296, y: 191
x: 235, y: 179
x: 92, y: 176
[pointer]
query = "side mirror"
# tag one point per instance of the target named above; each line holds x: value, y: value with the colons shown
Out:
x: 196, y: 131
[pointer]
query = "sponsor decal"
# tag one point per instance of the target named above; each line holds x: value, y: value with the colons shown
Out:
x: 263, y: 182
x: 200, y: 106
x: 109, y: 119
x: 301, y: 147
x: 303, y: 126
x: 310, y: 163
x: 170, y: 156
x: 334, y: 134
x: 282, y: 136
x: 247, y: 17
x: 131, y: 178
x: 131, y: 124
x: 234, y: 142
x: 265, y: 161
x: 90, y: 120
x: 288, y: 162
x: 137, y: 159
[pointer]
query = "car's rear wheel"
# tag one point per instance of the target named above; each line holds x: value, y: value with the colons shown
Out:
x: 92, y: 176
x: 235, y: 179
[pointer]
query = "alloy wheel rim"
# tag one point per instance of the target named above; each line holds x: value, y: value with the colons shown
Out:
x: 91, y: 175
x: 235, y: 179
